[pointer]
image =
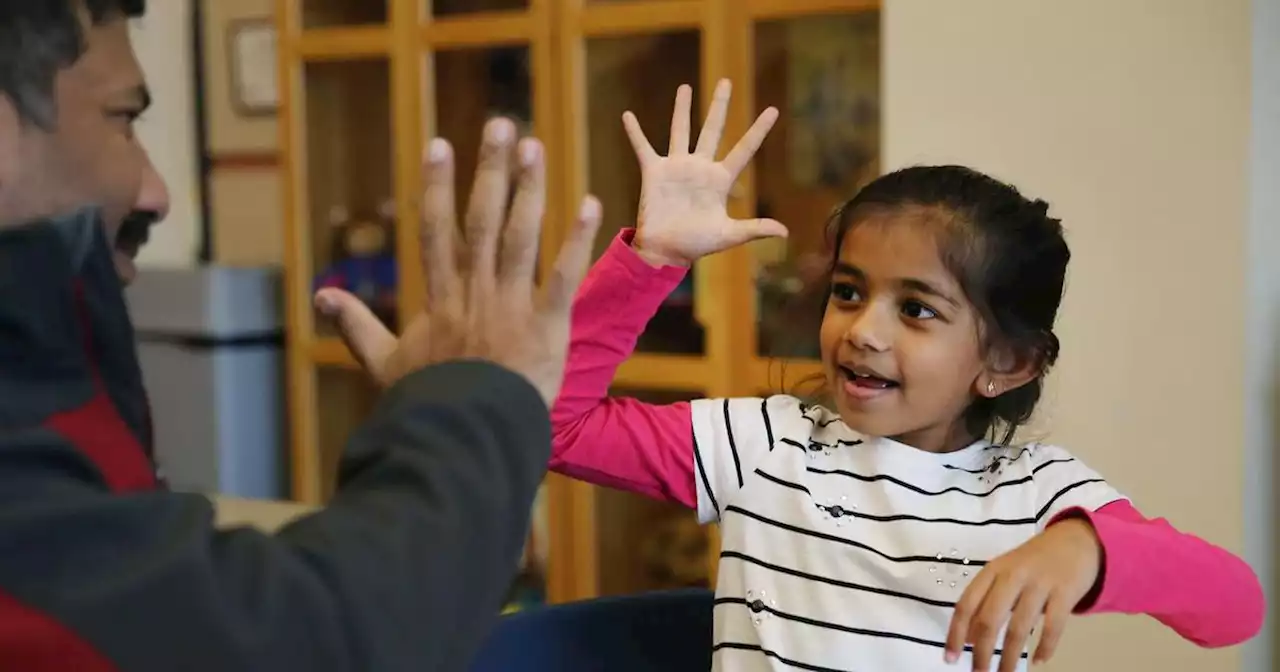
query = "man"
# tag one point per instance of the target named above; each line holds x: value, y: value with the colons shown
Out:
x: 100, y: 569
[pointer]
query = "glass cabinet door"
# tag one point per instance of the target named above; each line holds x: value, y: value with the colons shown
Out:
x: 450, y: 8
x: 348, y: 183
x: 642, y: 544
x: 475, y: 84
x: 343, y: 13
x: 639, y: 73
x: 823, y: 75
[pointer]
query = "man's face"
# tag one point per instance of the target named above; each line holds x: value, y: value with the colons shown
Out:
x: 90, y: 156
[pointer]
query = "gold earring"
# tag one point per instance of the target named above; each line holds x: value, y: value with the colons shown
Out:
x: 991, y: 387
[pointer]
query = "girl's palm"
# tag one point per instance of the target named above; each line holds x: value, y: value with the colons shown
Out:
x: 683, y: 197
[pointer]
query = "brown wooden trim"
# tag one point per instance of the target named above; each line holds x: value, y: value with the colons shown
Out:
x: 263, y: 160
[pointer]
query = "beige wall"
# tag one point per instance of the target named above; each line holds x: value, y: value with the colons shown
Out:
x: 245, y: 198
x: 1132, y: 119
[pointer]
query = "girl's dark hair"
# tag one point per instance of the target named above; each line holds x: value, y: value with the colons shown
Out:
x: 1009, y: 257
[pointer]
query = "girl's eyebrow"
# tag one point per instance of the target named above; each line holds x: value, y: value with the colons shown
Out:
x: 910, y: 284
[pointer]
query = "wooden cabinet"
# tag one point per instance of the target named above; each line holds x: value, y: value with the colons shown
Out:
x: 365, y: 82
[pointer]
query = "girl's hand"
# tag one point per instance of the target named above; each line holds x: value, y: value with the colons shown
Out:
x: 682, y: 215
x: 1047, y: 576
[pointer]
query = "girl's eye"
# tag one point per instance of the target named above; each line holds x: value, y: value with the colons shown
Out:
x: 844, y: 291
x: 918, y: 311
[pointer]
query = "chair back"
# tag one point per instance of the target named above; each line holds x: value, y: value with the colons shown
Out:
x: 665, y: 630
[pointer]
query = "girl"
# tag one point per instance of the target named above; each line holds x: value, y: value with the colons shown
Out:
x: 900, y: 528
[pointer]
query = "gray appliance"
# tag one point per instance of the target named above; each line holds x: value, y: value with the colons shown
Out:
x: 210, y: 347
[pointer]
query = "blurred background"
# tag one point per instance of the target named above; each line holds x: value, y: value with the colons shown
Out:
x: 290, y: 135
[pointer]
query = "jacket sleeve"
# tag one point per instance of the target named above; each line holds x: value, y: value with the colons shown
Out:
x: 405, y: 569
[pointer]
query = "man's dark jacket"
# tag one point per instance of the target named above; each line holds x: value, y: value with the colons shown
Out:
x: 102, y: 569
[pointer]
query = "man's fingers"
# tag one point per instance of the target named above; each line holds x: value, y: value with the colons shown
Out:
x: 439, y: 227
x: 741, y: 154
x: 713, y: 127
x: 645, y: 153
x: 488, y: 202
x: 573, y: 260
x: 369, y: 340
x: 679, y: 145
x: 520, y: 240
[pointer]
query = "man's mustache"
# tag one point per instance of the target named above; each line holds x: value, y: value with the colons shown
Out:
x: 136, y: 227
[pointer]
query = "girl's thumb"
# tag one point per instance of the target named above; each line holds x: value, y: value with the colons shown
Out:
x: 755, y: 229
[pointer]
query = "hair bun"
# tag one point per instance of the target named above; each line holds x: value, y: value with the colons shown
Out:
x: 1041, y: 207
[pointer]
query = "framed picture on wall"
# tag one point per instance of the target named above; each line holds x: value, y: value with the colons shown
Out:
x: 251, y: 48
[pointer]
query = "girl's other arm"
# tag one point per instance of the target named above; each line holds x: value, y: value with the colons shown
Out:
x: 1203, y: 592
x: 617, y: 442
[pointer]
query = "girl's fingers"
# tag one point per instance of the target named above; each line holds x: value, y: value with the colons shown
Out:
x: 640, y: 144
x: 1026, y: 612
x: 741, y: 154
x: 680, y: 122
x: 1056, y: 613
x: 964, y: 613
x: 713, y: 127
x: 985, y: 626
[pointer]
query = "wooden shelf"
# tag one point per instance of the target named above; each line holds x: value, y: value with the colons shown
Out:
x: 363, y: 85
x: 641, y: 371
x: 786, y: 9
x: 339, y: 44
x: 489, y: 29
x: 631, y: 18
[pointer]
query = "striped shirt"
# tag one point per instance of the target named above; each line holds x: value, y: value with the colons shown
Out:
x: 845, y: 552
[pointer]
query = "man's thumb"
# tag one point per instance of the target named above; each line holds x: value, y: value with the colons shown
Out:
x: 368, y: 339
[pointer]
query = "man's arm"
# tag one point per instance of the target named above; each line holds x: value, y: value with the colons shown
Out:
x: 404, y: 570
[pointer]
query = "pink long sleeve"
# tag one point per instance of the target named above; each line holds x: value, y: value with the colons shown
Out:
x: 616, y: 442
x: 1202, y: 592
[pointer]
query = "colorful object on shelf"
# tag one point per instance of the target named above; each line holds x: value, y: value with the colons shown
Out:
x: 363, y: 259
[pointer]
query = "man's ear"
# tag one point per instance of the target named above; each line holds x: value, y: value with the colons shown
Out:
x: 1008, y: 370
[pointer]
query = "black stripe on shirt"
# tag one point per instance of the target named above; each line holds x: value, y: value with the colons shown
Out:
x: 768, y: 426
x: 991, y: 465
x: 733, y: 446
x: 771, y: 654
x: 734, y: 508
x: 882, y: 634
x: 834, y: 582
x: 852, y: 513
x: 934, y: 493
x: 1060, y: 493
x: 702, y: 471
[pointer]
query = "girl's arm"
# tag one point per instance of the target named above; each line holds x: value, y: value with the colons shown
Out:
x: 615, y: 442
x: 1203, y: 592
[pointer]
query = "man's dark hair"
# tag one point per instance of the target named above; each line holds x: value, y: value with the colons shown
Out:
x: 40, y: 37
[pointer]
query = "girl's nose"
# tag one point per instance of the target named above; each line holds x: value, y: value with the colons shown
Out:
x: 871, y: 329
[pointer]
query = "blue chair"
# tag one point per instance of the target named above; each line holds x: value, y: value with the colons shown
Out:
x: 667, y: 630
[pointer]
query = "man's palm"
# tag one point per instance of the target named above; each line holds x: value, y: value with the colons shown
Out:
x: 684, y: 196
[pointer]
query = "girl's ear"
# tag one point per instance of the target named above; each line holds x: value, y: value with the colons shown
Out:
x: 1007, y: 370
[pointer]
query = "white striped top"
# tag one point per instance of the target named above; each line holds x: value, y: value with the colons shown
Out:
x: 846, y: 552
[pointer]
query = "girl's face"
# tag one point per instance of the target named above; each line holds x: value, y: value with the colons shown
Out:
x: 900, y: 342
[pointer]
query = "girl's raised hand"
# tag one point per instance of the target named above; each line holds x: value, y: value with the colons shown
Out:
x: 1046, y: 577
x: 683, y: 195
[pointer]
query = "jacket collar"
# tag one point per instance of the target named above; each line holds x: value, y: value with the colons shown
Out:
x: 66, y: 340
